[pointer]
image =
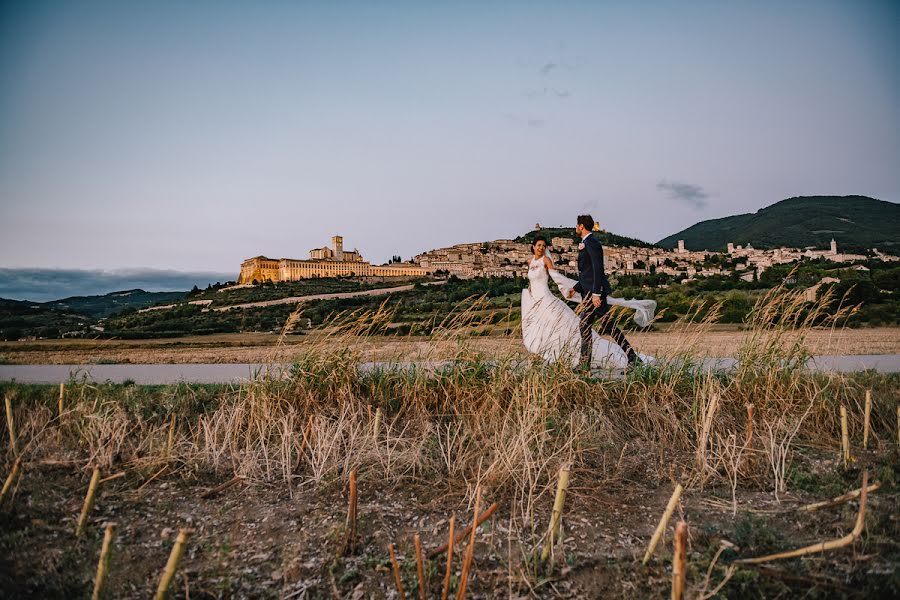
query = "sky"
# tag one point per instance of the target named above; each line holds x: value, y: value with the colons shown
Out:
x: 190, y: 136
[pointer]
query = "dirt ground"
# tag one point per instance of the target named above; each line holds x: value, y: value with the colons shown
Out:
x: 266, y: 541
x: 260, y: 348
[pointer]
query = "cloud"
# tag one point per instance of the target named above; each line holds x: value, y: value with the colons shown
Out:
x: 530, y: 121
x: 532, y: 94
x: 42, y: 285
x: 545, y: 70
x: 688, y: 193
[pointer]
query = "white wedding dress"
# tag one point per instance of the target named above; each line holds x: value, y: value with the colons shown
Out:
x: 550, y: 327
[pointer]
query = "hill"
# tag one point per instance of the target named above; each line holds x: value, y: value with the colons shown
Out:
x: 71, y: 316
x: 605, y: 237
x: 857, y: 223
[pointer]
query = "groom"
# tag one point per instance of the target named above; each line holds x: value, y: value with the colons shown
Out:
x: 594, y: 288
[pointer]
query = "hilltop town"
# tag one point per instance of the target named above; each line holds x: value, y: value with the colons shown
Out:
x: 506, y: 258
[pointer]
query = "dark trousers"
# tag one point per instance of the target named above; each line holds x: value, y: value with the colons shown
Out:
x: 588, y: 314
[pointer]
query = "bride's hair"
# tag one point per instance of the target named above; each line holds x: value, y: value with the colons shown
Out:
x: 539, y: 238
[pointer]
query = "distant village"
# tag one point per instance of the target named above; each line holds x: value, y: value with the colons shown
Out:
x: 507, y: 258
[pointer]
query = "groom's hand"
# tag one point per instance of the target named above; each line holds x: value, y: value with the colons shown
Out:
x: 570, y: 293
x: 596, y: 301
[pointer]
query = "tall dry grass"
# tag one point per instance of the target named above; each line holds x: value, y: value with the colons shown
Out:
x: 499, y: 422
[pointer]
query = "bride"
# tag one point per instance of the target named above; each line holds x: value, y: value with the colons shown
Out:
x: 550, y: 327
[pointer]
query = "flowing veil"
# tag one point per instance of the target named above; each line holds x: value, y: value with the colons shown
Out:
x: 644, y: 310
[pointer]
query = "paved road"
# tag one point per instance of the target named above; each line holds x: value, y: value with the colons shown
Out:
x: 152, y: 374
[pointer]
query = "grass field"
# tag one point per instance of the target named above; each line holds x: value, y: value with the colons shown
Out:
x: 258, y: 476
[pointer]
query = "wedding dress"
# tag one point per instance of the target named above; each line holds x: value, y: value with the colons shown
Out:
x: 550, y: 327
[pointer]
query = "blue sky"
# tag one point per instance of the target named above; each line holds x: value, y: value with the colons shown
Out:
x: 190, y: 136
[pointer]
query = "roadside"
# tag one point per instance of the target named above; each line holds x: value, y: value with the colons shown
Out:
x: 262, y: 348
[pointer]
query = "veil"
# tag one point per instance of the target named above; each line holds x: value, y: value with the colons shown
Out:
x: 644, y: 310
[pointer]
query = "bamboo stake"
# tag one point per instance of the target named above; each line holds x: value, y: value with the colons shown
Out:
x: 749, y: 437
x: 470, y: 550
x: 707, y: 426
x: 10, y: 479
x: 174, y: 557
x: 396, y: 572
x: 465, y: 532
x: 420, y: 568
x: 351, y: 514
x: 867, y: 415
x: 11, y: 424
x: 450, y: 544
x: 88, y: 502
x: 377, y: 427
x: 663, y: 522
x: 840, y: 499
x: 556, y: 516
x: 222, y: 487
x: 679, y: 561
x: 170, y: 441
x: 826, y: 545
x: 118, y: 475
x: 845, y: 438
x: 103, y: 565
x: 62, y: 397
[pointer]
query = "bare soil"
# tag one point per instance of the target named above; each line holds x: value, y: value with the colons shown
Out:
x: 721, y: 341
x: 268, y: 541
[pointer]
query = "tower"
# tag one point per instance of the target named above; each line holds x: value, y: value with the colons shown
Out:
x: 681, y: 249
x: 730, y: 248
x: 337, y: 246
x: 833, y: 247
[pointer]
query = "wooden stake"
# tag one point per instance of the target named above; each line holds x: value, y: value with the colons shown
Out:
x: 11, y: 425
x: 10, y: 479
x: 663, y: 522
x: 470, y: 550
x: 749, y: 438
x: 827, y: 545
x: 88, y: 502
x: 420, y: 567
x: 62, y: 397
x: 170, y: 441
x: 840, y: 499
x: 898, y: 425
x: 103, y: 565
x: 465, y: 532
x: 350, y: 542
x: 562, y: 483
x: 450, y: 544
x: 866, y: 416
x: 845, y: 438
x: 172, y: 565
x: 679, y: 561
x: 396, y: 572
x: 377, y: 427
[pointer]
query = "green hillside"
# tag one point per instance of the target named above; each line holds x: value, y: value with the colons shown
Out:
x: 857, y: 223
x: 605, y: 237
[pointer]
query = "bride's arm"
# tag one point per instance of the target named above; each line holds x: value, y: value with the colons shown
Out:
x: 548, y: 264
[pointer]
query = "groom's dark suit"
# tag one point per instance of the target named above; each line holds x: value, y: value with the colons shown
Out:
x: 592, y: 281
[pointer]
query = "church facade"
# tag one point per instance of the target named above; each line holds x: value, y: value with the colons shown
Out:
x: 327, y: 261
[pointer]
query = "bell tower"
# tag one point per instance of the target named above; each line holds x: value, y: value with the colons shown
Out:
x: 337, y: 247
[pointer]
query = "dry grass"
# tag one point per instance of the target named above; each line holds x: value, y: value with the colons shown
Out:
x: 474, y: 423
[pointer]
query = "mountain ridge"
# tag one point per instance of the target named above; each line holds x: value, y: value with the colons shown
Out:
x: 857, y: 223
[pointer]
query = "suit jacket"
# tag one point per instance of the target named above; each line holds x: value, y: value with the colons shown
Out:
x: 591, y: 275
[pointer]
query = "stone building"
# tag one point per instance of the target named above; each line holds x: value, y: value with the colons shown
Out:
x: 323, y: 262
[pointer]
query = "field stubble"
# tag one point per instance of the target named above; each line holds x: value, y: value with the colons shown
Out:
x: 259, y: 474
